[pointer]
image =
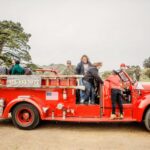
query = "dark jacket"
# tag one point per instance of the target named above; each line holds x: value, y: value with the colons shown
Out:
x: 28, y: 71
x: 80, y: 68
x: 92, y: 75
x: 17, y: 70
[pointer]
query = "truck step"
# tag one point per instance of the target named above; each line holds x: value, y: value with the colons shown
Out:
x: 77, y: 119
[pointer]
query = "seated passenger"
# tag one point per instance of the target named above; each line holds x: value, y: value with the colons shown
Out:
x: 116, y: 93
x: 88, y: 81
x: 27, y: 70
x: 3, y: 68
x: 69, y: 70
x: 17, y: 69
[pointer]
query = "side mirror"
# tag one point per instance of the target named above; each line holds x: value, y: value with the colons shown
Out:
x: 139, y: 92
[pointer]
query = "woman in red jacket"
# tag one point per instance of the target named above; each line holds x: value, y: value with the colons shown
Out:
x: 116, y: 93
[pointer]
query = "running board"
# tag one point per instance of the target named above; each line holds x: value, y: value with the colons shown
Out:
x: 77, y: 119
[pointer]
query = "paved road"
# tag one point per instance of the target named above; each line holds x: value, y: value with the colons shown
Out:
x: 75, y: 136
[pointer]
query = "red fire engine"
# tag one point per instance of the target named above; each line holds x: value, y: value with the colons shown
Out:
x: 32, y: 98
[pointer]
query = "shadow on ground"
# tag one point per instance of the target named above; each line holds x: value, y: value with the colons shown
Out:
x: 132, y: 126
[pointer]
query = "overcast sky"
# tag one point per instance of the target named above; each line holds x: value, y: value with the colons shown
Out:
x: 111, y: 31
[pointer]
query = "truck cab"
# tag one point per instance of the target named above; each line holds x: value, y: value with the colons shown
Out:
x: 32, y: 98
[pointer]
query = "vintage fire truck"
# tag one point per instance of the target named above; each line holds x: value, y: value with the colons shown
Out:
x: 32, y: 98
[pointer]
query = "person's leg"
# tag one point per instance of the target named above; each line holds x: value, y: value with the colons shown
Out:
x: 113, y: 99
x: 119, y: 101
x: 87, y: 91
x: 85, y: 94
x: 93, y: 94
x: 82, y: 93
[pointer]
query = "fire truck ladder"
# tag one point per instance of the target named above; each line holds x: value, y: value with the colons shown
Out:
x: 47, y: 79
x: 67, y: 81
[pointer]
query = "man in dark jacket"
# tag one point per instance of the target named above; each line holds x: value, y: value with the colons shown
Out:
x: 88, y: 81
x: 17, y: 69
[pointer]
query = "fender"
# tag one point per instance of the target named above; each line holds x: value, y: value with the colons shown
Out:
x: 20, y: 100
x: 144, y: 102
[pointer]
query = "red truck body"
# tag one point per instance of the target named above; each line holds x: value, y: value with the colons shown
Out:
x: 56, y: 99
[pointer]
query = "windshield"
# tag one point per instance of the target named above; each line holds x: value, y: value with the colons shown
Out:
x: 123, y: 77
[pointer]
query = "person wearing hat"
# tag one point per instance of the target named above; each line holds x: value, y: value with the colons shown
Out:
x: 123, y: 66
x: 88, y: 81
x: 69, y: 70
x: 116, y: 85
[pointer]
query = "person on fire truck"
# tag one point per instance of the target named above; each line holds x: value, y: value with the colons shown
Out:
x: 81, y: 69
x: 88, y: 81
x: 83, y: 66
x: 69, y: 70
x: 116, y: 87
x: 17, y: 69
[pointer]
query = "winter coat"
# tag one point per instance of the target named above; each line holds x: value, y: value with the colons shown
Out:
x: 80, y: 68
x: 17, y: 70
x: 92, y: 75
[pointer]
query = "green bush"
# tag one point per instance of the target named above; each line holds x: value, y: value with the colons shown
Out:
x: 106, y: 74
x: 147, y: 72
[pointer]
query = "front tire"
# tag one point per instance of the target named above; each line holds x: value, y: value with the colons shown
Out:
x: 25, y: 116
x: 147, y: 120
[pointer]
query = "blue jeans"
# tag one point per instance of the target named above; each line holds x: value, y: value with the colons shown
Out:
x: 81, y: 91
x: 89, y: 92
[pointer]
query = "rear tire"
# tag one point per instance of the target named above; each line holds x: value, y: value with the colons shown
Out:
x: 147, y: 120
x: 25, y: 116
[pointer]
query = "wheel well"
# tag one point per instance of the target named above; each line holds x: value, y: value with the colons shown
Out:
x: 22, y: 103
x: 148, y: 107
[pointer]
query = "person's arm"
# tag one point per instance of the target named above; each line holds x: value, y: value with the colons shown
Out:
x: 108, y: 79
x: 23, y: 71
x: 10, y: 70
x: 6, y: 71
x: 97, y: 77
x: 72, y: 71
x: 78, y: 69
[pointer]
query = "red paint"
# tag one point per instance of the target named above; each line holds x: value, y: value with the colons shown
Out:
x: 24, y: 116
x: 73, y: 112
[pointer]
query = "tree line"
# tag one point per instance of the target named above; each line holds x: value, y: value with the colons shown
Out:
x: 14, y: 44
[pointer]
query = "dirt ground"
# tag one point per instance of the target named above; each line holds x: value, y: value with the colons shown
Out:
x: 75, y: 136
